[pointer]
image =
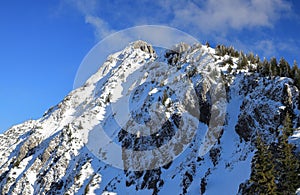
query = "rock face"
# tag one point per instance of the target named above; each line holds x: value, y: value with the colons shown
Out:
x: 142, y: 45
x: 51, y: 155
x: 265, y: 105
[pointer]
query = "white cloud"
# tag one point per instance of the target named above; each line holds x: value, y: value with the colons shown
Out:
x: 217, y: 15
x: 219, y: 21
x: 211, y: 16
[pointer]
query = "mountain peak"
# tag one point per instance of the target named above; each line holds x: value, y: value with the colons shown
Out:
x: 144, y: 46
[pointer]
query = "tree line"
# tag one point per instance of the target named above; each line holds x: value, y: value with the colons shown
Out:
x: 267, y: 68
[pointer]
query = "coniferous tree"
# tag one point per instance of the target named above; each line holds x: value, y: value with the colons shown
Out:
x: 295, y: 64
x: 259, y: 67
x: 295, y: 72
x: 274, y: 66
x: 243, y: 61
x: 207, y: 44
x: 232, y: 52
x: 257, y: 59
x: 288, y: 165
x: 251, y: 58
x: 218, y: 50
x: 284, y: 68
x: 262, y: 179
x: 276, y: 168
x: 266, y: 70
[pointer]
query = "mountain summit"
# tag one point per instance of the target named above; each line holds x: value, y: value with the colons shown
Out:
x: 185, y: 120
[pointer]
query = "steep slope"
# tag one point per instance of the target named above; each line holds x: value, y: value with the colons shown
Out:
x: 184, y: 99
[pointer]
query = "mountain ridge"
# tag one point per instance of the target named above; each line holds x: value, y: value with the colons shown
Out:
x: 53, y: 154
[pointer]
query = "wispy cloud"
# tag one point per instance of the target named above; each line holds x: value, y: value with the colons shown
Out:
x: 266, y: 47
x: 89, y: 9
x: 276, y: 48
x: 102, y: 28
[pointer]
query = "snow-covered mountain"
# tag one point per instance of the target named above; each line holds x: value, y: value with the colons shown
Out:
x: 179, y: 121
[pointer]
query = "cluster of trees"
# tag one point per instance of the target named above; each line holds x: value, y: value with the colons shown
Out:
x: 275, y: 168
x: 243, y: 62
x: 222, y: 50
x: 271, y: 68
x: 282, y: 68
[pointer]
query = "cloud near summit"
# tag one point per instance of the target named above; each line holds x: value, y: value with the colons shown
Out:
x: 205, y: 16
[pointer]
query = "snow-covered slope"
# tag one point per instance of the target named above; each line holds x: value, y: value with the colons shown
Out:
x: 207, y: 114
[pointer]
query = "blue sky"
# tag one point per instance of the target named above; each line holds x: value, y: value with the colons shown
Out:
x: 42, y: 43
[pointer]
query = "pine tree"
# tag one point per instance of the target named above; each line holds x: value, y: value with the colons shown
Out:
x: 281, y: 68
x: 295, y: 73
x: 284, y: 68
x: 288, y: 126
x: 262, y: 177
x: 266, y: 69
x: 232, y: 52
x: 275, y: 168
x: 274, y: 66
x: 295, y: 69
x: 221, y: 50
x: 251, y: 58
x: 207, y: 44
x: 257, y: 59
x: 259, y: 67
x: 288, y: 168
x: 243, y: 61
